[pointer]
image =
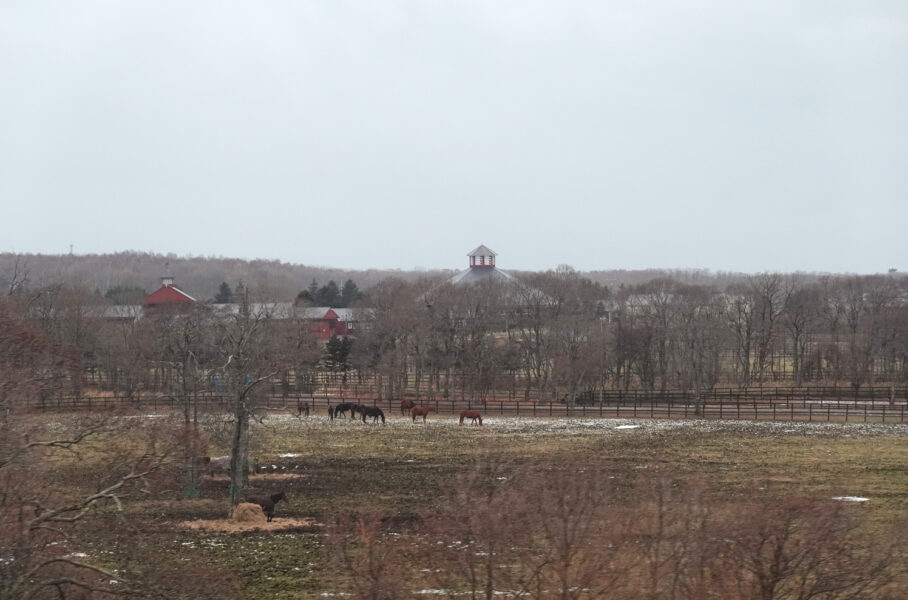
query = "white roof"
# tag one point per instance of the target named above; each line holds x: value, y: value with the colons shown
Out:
x: 482, y: 251
x: 474, y: 275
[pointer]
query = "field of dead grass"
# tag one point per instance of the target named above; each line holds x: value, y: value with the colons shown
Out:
x: 401, y: 470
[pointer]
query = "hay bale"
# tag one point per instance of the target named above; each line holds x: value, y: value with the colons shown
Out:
x: 249, y: 513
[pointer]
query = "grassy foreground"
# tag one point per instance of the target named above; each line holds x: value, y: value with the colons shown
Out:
x: 401, y: 472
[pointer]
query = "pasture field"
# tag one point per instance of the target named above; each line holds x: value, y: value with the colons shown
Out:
x: 402, y: 473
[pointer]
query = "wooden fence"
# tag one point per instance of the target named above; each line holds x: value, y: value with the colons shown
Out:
x: 807, y: 409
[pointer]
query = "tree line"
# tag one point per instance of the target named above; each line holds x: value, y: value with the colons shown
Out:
x: 548, y: 336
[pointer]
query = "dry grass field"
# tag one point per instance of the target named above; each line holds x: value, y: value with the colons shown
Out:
x: 376, y: 495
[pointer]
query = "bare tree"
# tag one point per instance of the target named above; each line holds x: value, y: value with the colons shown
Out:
x: 475, y: 536
x: 700, y: 341
x: 802, y: 313
x: 801, y: 550
x: 253, y: 349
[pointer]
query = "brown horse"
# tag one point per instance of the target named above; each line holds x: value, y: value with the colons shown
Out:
x: 371, y: 411
x: 421, y: 411
x: 267, y: 503
x: 473, y: 415
x: 406, y: 405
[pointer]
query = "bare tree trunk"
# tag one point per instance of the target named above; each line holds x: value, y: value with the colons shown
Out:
x: 239, y: 451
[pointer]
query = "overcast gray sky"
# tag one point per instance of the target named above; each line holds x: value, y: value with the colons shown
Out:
x: 742, y: 136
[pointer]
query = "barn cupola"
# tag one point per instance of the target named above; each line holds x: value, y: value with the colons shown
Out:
x: 481, y: 258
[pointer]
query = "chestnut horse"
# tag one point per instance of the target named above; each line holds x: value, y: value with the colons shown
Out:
x: 471, y: 414
x: 421, y: 411
x: 406, y: 405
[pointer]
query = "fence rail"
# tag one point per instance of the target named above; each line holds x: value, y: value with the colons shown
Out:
x: 807, y: 409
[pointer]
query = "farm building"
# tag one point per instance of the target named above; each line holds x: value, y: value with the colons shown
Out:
x: 324, y: 321
x: 482, y: 267
x: 168, y: 295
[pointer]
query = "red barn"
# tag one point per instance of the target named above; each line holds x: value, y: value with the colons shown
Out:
x: 167, y: 295
x: 326, y: 322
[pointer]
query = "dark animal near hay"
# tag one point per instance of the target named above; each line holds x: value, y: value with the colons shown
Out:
x: 267, y: 503
x: 472, y: 415
x: 405, y: 406
x: 342, y: 409
x: 421, y: 411
x: 372, y: 411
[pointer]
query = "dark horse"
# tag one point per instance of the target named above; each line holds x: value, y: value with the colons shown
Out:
x: 473, y: 415
x: 302, y: 407
x: 267, y: 503
x: 421, y: 411
x: 342, y: 409
x: 372, y: 411
x: 406, y: 405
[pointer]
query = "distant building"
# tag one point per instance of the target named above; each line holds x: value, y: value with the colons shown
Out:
x: 324, y: 321
x: 482, y: 267
x: 167, y: 295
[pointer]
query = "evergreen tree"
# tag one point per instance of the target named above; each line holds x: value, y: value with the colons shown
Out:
x: 328, y: 294
x: 349, y: 293
x: 304, y: 298
x: 338, y: 351
x: 224, y: 295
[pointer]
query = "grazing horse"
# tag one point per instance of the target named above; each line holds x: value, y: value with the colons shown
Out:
x: 406, y: 405
x: 421, y: 411
x: 341, y: 409
x: 267, y: 503
x: 371, y: 411
x: 473, y: 415
x: 302, y: 407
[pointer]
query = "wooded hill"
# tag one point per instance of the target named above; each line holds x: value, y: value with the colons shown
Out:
x: 201, y: 276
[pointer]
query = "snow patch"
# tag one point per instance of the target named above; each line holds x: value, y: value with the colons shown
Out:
x: 850, y: 498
